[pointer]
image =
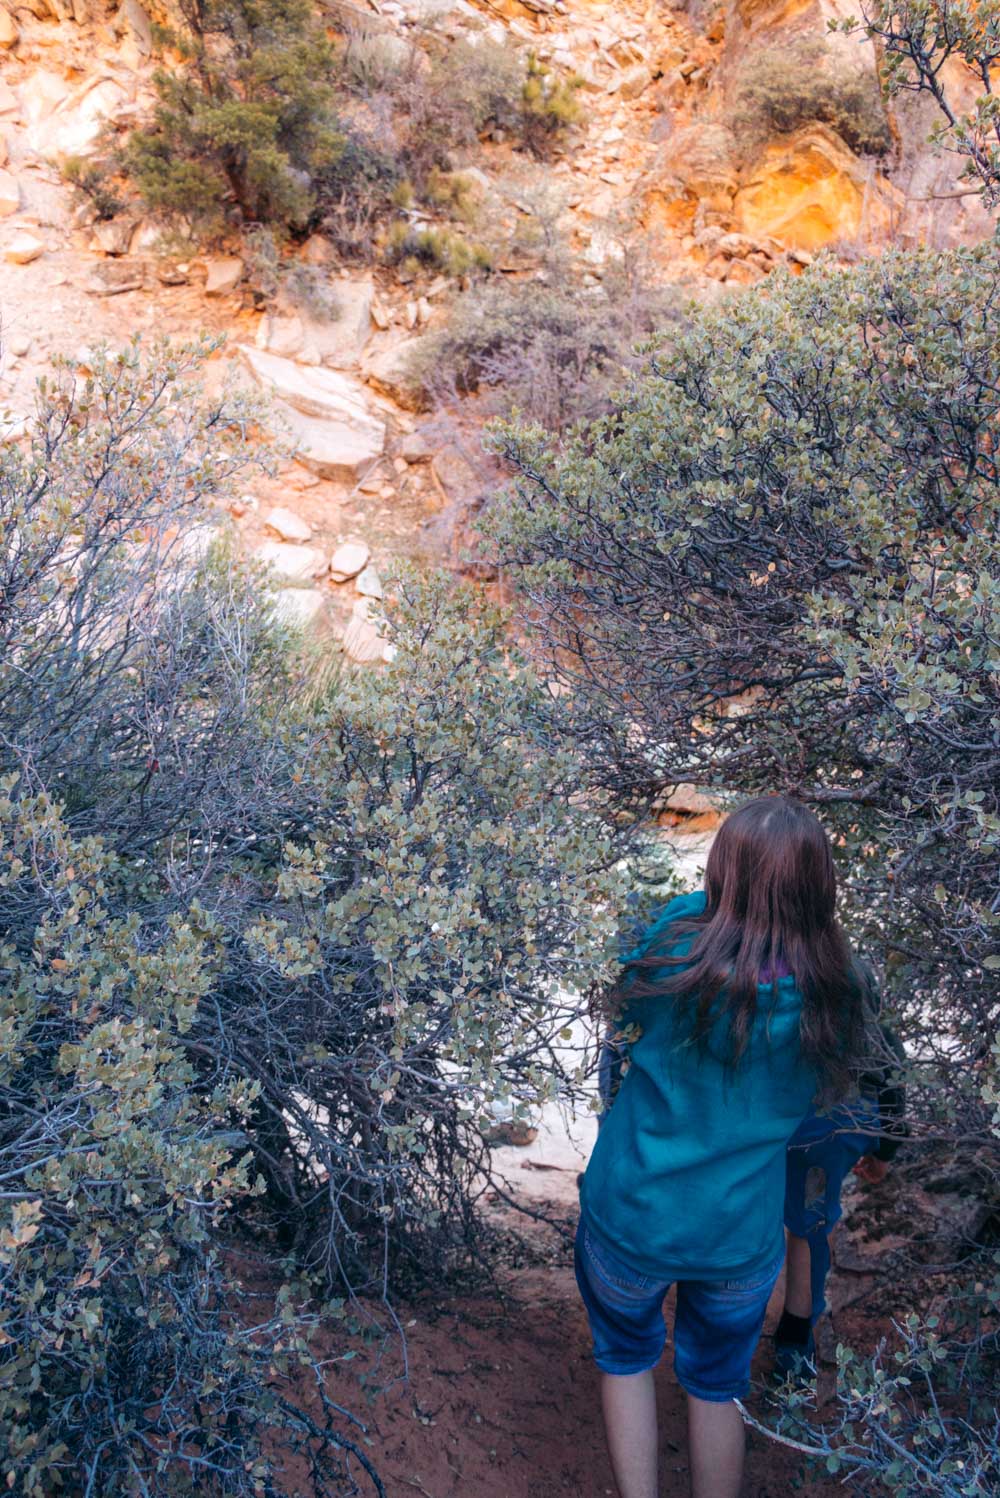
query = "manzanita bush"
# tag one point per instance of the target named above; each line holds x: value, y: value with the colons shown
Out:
x: 774, y: 566
x: 268, y: 950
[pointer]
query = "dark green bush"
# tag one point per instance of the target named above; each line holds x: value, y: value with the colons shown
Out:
x: 247, y: 119
x: 783, y: 87
x: 774, y: 566
x: 268, y: 953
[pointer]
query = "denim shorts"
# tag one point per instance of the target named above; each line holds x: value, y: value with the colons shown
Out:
x: 716, y: 1328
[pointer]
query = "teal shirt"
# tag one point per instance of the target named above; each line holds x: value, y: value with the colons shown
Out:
x: 687, y: 1178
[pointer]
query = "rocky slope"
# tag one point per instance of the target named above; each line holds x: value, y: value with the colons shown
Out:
x: 659, y: 156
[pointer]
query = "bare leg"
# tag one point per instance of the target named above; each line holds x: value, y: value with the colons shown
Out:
x: 629, y: 1401
x: 798, y: 1287
x: 718, y: 1446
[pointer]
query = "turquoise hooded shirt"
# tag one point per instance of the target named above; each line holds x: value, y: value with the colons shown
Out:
x: 687, y: 1178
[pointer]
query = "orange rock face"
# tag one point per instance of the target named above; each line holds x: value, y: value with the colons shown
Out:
x: 809, y: 190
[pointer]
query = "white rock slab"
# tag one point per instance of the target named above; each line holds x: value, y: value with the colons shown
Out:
x: 332, y: 428
x: 297, y: 564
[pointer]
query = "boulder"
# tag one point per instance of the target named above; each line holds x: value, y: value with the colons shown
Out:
x: 112, y: 236
x: 388, y: 367
x: 9, y: 32
x: 297, y: 564
x: 299, y: 607
x: 19, y: 345
x: 285, y: 337
x: 24, y: 248
x: 223, y: 274
x: 348, y: 561
x: 10, y: 194
x: 287, y: 525
x: 415, y: 448
x: 810, y: 190
x: 332, y: 429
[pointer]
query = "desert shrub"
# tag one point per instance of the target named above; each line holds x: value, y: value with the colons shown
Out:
x: 269, y: 953
x: 783, y: 87
x: 551, y: 347
x: 94, y: 180
x: 424, y: 246
x: 549, y: 105
x: 247, y: 119
x: 774, y: 567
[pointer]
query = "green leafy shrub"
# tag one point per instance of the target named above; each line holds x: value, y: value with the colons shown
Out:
x: 268, y: 954
x: 549, y: 105
x: 438, y: 249
x: 94, y: 180
x: 784, y: 87
x: 774, y: 566
x: 247, y: 118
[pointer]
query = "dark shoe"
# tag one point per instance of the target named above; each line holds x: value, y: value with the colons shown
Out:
x: 795, y: 1362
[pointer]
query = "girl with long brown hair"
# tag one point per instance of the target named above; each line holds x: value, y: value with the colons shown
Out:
x: 740, y: 1006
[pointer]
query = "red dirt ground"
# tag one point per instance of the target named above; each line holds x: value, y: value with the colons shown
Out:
x: 502, y: 1402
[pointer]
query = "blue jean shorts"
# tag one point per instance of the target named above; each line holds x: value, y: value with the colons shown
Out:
x: 716, y: 1328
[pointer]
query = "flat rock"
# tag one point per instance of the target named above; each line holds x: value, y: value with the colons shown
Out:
x: 299, y: 607
x: 348, y: 560
x: 297, y: 564
x: 24, y: 248
x: 332, y: 429
x: 10, y: 194
x: 113, y: 277
x: 223, y: 274
x: 288, y: 525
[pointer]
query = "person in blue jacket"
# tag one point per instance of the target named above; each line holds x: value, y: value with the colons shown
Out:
x: 742, y: 1008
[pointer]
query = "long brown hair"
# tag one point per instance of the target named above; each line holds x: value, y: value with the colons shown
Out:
x: 771, y: 889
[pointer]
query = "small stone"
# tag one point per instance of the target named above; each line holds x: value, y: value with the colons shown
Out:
x: 9, y: 32
x: 19, y: 345
x: 380, y: 316
x: 299, y: 564
x: 223, y: 275
x: 368, y: 582
x: 288, y: 525
x: 423, y: 310
x: 10, y: 194
x: 348, y: 560
x: 24, y: 248
x: 411, y: 315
